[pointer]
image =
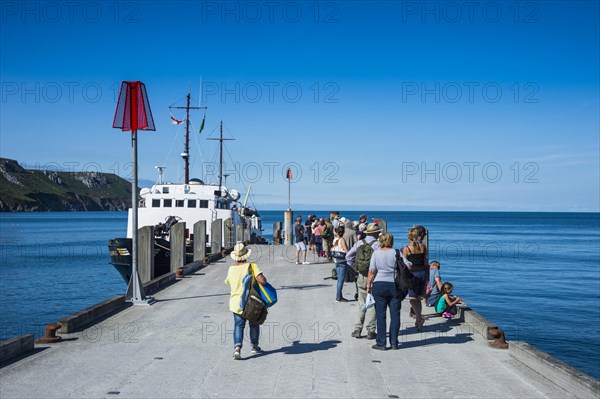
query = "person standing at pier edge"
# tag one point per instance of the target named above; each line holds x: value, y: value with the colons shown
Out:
x: 349, y: 234
x: 362, y: 219
x: 361, y: 231
x: 308, y: 230
x: 381, y: 284
x: 339, y: 244
x: 415, y: 253
x: 327, y: 235
x: 300, y: 245
x: 362, y: 259
x: 235, y: 275
x: 317, y: 231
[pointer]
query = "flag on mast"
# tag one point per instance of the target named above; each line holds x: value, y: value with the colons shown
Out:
x: 289, y: 174
x: 175, y: 121
x: 202, y: 124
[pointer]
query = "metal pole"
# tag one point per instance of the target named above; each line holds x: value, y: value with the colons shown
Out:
x: 135, y: 291
x: 288, y: 227
x: 289, y: 194
x: 134, y: 216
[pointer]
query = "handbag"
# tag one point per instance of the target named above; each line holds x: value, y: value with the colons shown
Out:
x: 338, y: 253
x: 369, y: 301
x: 266, y: 291
x: 402, y: 276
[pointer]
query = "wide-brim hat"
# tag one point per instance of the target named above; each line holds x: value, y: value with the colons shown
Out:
x: 240, y: 252
x: 343, y: 220
x: 373, y: 228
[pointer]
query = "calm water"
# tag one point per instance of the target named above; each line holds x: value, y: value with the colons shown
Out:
x: 535, y: 274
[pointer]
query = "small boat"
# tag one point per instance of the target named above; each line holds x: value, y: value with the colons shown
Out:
x: 165, y: 204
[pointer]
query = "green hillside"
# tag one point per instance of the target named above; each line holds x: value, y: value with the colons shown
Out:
x: 42, y: 190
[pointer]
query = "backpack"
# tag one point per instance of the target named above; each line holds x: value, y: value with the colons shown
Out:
x: 363, y: 257
x: 402, y: 276
x: 326, y: 233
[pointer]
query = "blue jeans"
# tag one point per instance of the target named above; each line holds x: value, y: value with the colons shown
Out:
x: 238, y: 331
x: 340, y: 268
x: 386, y: 295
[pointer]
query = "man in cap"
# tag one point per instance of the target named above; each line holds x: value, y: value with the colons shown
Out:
x: 360, y: 257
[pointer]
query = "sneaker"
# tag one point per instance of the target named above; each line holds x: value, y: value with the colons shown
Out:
x: 306, y: 263
x: 237, y: 355
x: 341, y: 300
x: 356, y: 334
x: 379, y: 348
x: 297, y: 263
x: 371, y: 335
x: 447, y: 315
x: 256, y: 349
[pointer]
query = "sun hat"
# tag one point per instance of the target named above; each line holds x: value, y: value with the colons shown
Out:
x: 240, y: 252
x: 343, y: 220
x: 373, y: 228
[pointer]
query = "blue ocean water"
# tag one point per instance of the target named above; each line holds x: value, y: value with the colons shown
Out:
x: 537, y: 275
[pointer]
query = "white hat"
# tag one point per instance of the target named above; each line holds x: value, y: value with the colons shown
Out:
x: 240, y: 252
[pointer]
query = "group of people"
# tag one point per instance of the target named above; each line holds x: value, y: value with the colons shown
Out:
x: 379, y: 281
x: 320, y: 235
x: 361, y: 248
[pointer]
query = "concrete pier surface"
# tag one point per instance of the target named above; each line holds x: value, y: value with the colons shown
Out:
x: 182, y: 347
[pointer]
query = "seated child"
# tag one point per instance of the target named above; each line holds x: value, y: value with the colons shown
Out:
x: 435, y: 282
x: 446, y: 303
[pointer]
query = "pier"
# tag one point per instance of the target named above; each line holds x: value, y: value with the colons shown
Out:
x: 182, y: 346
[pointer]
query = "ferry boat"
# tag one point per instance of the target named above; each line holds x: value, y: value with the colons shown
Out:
x: 165, y: 204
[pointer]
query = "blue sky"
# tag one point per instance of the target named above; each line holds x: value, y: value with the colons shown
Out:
x: 375, y: 105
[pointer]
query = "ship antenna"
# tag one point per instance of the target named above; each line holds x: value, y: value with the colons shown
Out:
x: 221, y: 139
x: 160, y: 169
x: 186, y: 153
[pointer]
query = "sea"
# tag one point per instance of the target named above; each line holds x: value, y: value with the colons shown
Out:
x: 537, y: 275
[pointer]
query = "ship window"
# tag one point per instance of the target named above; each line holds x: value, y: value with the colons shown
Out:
x: 203, y: 203
x: 179, y: 203
x: 165, y: 190
x: 191, y: 203
x: 168, y: 203
x: 155, y: 203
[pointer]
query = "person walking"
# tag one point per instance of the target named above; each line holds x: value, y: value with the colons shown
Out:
x: 339, y: 245
x: 235, y: 275
x: 383, y: 288
x: 360, y: 256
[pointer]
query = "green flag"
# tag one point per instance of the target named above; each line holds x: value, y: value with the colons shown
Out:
x: 202, y: 124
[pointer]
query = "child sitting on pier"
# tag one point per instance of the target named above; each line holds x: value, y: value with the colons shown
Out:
x: 446, y: 303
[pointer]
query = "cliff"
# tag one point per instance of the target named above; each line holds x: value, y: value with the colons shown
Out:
x: 24, y: 190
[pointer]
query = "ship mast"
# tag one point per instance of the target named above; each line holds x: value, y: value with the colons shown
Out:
x: 186, y: 154
x: 221, y: 139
